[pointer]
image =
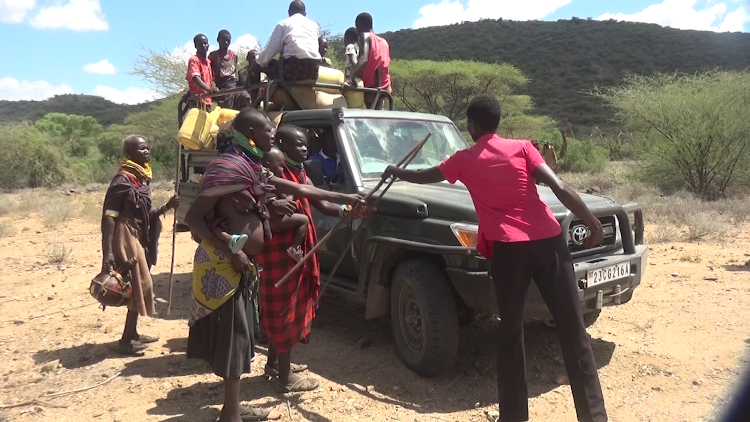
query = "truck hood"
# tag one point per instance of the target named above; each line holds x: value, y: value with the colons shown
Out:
x: 453, y: 202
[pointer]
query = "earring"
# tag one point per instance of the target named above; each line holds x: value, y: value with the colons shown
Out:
x: 251, y: 142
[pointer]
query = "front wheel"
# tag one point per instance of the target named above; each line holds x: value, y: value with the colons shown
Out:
x: 424, y: 317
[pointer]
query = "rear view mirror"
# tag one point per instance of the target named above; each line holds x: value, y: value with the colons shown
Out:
x: 314, y: 169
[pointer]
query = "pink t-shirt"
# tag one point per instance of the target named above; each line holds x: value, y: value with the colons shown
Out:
x: 498, y: 175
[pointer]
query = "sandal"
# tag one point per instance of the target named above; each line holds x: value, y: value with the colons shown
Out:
x: 130, y: 348
x: 301, y: 386
x: 144, y: 339
x: 249, y: 414
x: 296, y: 369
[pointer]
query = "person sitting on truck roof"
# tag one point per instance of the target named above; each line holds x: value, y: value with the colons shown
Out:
x: 224, y: 63
x: 323, y: 50
x: 296, y: 38
x: 523, y: 240
x: 250, y: 74
x: 374, y: 59
x: 329, y: 157
x: 200, y: 76
x: 351, y: 51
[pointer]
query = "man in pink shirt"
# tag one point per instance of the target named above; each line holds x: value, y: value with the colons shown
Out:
x: 523, y: 240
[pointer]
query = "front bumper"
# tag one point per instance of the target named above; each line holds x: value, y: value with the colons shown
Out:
x: 478, y: 292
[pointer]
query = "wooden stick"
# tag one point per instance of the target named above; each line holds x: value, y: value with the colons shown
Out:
x: 55, y: 395
x: 322, y: 241
x: 78, y: 390
x: 30, y: 403
x: 174, y: 230
x: 356, y: 232
x: 289, y: 409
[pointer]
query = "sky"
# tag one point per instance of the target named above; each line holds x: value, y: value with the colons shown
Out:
x: 88, y: 46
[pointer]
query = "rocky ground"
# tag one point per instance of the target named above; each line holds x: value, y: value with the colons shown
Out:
x: 671, y: 354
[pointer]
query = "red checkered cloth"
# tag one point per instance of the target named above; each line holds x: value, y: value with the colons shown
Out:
x: 286, y: 312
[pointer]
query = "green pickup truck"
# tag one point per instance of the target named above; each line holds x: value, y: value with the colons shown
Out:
x: 415, y: 261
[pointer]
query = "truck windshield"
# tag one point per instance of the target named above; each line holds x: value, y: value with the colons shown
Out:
x: 379, y: 142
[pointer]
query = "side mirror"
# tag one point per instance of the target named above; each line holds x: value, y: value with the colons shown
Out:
x: 314, y: 169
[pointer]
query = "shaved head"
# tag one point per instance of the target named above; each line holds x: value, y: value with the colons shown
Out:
x: 131, y: 143
x: 297, y: 6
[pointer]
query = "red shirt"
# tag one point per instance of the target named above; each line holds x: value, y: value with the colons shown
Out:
x: 379, y: 58
x: 202, y: 67
x: 498, y: 174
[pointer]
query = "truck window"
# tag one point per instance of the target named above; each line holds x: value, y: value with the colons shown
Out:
x: 379, y: 142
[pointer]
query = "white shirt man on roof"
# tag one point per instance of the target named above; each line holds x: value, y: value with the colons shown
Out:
x: 296, y: 38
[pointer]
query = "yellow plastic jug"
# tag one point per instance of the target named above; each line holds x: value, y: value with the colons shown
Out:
x: 356, y: 99
x: 195, y: 130
x: 222, y: 115
x: 328, y: 75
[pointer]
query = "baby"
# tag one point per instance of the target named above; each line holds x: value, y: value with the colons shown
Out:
x: 274, y: 161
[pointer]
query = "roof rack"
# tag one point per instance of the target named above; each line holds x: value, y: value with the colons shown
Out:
x: 286, y: 86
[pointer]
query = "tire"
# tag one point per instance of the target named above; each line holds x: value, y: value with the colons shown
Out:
x: 590, y: 318
x: 466, y: 315
x: 424, y: 317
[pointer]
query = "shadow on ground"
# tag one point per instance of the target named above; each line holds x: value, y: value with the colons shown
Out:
x: 336, y: 353
x: 205, y: 400
x: 87, y: 354
x: 737, y: 268
x: 181, y: 295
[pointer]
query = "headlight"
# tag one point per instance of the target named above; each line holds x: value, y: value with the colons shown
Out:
x: 466, y: 234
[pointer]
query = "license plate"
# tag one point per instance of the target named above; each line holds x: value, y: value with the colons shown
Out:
x: 608, y: 273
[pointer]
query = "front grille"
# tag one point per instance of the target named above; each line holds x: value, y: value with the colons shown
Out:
x: 577, y: 228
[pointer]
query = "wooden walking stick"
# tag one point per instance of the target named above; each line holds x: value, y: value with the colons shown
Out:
x: 322, y: 241
x: 411, y: 156
x: 174, y: 229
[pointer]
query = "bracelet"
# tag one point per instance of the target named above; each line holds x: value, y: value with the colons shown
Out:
x: 345, y: 210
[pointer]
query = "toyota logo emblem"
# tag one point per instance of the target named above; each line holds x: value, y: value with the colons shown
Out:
x: 578, y: 234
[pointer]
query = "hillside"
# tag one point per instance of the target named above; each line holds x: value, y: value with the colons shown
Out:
x: 104, y: 111
x: 566, y: 57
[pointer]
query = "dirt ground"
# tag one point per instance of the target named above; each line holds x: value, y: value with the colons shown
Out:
x: 671, y: 354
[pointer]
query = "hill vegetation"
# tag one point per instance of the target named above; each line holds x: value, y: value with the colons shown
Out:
x: 567, y: 58
x: 104, y: 111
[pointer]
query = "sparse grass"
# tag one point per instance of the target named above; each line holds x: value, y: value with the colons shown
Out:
x: 57, y: 253
x: 160, y: 197
x: 676, y: 217
x: 55, y: 212
x: 663, y: 234
x: 6, y: 229
x: 691, y: 258
x: 32, y: 200
x: 704, y: 223
x: 7, y: 204
x: 91, y: 210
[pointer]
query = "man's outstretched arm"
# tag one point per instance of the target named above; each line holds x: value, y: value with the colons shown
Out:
x: 423, y: 176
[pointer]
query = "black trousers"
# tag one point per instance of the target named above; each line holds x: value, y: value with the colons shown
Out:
x: 549, y: 263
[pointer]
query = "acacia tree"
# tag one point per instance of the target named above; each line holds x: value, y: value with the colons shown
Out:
x: 76, y: 132
x: 694, y: 129
x: 447, y: 87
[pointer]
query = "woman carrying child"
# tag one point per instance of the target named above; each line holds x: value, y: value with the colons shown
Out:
x: 233, y: 189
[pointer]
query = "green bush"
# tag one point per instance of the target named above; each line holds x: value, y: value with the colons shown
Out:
x: 694, y: 128
x: 583, y: 157
x: 28, y: 158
